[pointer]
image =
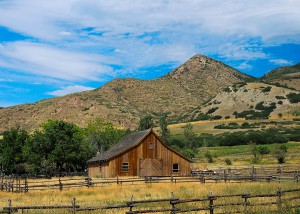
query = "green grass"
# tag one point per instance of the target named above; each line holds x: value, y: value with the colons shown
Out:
x: 242, y: 155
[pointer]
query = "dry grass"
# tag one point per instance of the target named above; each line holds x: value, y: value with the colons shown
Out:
x: 116, y: 194
x: 206, y: 126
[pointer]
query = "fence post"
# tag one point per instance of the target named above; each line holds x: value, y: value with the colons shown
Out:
x: 74, y: 205
x: 246, y: 202
x: 117, y: 179
x: 2, y: 184
x: 9, y: 206
x: 211, y: 203
x: 172, y: 204
x: 26, y: 186
x: 60, y: 185
x: 279, y: 194
x: 130, y: 204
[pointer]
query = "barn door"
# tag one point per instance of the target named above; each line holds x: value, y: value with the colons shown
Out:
x: 150, y: 167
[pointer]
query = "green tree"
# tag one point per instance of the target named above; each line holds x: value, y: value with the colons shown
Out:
x: 280, y: 152
x: 59, y: 146
x: 12, y: 160
x: 146, y: 122
x: 164, y: 131
x: 263, y: 150
x: 190, y: 137
x: 254, y: 151
x: 102, y: 134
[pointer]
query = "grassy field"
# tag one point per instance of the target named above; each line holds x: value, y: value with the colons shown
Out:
x: 116, y: 194
x: 207, y: 126
x: 242, y: 155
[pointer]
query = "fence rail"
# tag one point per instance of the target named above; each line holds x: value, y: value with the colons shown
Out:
x: 19, y: 185
x: 281, y: 200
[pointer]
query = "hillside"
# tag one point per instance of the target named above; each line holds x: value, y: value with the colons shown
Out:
x: 288, y: 76
x: 124, y: 101
x: 246, y: 99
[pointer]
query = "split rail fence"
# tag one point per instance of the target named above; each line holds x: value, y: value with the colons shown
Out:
x: 16, y: 185
x: 279, y: 201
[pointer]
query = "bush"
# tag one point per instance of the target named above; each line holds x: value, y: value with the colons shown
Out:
x: 261, y: 106
x: 212, y: 110
x: 293, y: 97
x: 209, y: 157
x: 228, y: 161
x: 217, y: 117
x: 202, y: 116
x: 266, y: 89
x: 279, y: 153
x: 280, y: 97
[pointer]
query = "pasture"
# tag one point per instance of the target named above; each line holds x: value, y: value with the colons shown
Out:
x: 116, y: 194
x: 207, y: 126
x: 242, y: 155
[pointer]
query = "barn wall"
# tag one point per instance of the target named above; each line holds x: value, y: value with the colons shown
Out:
x: 93, y: 169
x: 142, y: 151
x: 99, y: 169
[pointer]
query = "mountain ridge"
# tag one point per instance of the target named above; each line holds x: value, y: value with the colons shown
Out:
x: 124, y: 100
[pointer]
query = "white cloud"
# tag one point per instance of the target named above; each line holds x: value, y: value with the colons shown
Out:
x: 137, y: 34
x: 281, y: 61
x: 244, y: 66
x: 68, y: 90
x: 53, y: 62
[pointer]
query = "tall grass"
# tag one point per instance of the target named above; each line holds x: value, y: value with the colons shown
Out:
x: 116, y: 194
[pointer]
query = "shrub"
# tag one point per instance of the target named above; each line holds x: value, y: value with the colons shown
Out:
x: 227, y: 89
x: 217, y: 117
x: 209, y: 157
x: 202, y: 116
x: 228, y: 161
x: 212, y: 110
x: 279, y: 153
x: 280, y: 97
x: 293, y: 97
x: 227, y: 117
x: 261, y: 106
x: 266, y: 89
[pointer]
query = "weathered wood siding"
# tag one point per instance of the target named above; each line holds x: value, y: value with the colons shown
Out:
x: 142, y: 151
x: 99, y: 169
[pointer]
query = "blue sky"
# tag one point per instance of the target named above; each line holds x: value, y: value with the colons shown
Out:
x: 52, y: 48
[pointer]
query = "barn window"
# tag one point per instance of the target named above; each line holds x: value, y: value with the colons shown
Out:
x: 175, y: 167
x: 151, y: 145
x: 125, y: 167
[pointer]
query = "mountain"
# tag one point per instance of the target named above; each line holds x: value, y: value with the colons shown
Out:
x: 250, y: 100
x: 124, y: 101
x: 287, y: 76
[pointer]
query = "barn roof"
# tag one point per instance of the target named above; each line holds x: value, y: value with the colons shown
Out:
x: 128, y: 141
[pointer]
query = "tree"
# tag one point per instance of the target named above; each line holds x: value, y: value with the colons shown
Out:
x: 164, y: 131
x: 102, y: 134
x: 190, y: 137
x: 12, y: 160
x: 146, y: 122
x: 263, y: 150
x: 254, y: 151
x: 59, y: 147
x: 280, y: 152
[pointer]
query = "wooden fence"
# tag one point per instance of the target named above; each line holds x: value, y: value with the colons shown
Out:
x: 17, y: 185
x: 281, y: 200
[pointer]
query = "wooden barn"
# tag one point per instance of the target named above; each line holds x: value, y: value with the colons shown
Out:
x: 139, y: 154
